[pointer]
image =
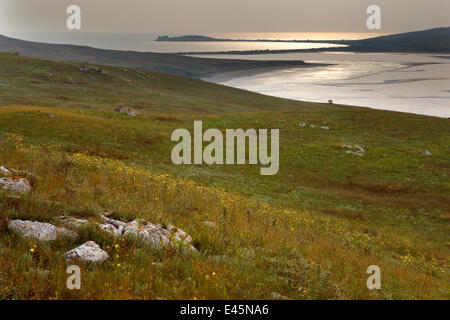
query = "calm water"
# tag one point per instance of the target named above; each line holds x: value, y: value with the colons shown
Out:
x: 146, y: 42
x: 413, y: 83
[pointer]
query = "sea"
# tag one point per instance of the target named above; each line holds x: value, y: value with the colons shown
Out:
x: 413, y: 83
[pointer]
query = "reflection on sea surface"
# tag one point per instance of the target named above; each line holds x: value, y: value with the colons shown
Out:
x: 412, y: 83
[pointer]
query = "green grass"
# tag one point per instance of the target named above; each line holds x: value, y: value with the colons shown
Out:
x: 312, y: 231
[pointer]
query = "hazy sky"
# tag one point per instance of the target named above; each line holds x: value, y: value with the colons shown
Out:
x: 209, y: 16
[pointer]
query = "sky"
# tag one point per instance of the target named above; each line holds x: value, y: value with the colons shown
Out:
x: 214, y: 16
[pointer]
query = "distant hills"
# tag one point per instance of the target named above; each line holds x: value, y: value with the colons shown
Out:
x: 161, y: 62
x: 428, y: 41
x: 433, y: 40
x: 189, y: 39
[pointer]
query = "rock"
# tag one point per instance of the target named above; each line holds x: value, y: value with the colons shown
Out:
x: 16, y: 184
x: 89, y: 251
x: 74, y: 222
x: 87, y: 68
x: 324, y: 128
x: 208, y: 224
x: 360, y: 148
x: 312, y: 126
x: 277, y: 296
x: 426, y: 152
x: 357, y: 150
x: 357, y: 153
x: 105, y: 73
x: 4, y: 171
x: 330, y: 101
x: 302, y: 124
x: 126, y: 110
x: 39, y: 230
x: 151, y: 234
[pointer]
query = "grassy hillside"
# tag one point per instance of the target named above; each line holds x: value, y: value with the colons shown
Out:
x: 435, y: 40
x: 162, y: 62
x: 309, y: 232
x: 432, y: 40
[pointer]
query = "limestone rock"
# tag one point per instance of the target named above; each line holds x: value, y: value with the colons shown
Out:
x: 74, y: 222
x: 356, y: 150
x: 151, y: 234
x: 4, y: 171
x: 89, y: 252
x: 126, y: 110
x: 39, y: 230
x: 15, y: 184
x: 360, y: 148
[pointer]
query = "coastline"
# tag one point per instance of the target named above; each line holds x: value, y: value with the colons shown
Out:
x: 341, y: 91
x: 170, y: 63
x: 233, y: 74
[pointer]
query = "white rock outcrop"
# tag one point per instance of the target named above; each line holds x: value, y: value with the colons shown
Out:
x: 89, y: 252
x: 15, y: 184
x: 127, y: 110
x: 151, y: 234
x: 39, y: 230
x: 356, y: 150
x: 4, y: 171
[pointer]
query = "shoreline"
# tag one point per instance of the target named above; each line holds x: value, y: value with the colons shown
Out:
x: 234, y: 74
x: 222, y: 77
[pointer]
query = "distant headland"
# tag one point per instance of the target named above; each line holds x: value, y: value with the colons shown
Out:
x: 426, y: 41
x: 198, y: 38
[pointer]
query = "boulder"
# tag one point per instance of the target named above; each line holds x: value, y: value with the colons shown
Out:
x: 89, y: 252
x: 39, y: 230
x: 126, y: 110
x: 4, y: 171
x: 15, y: 184
x: 154, y: 235
x: 360, y: 148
